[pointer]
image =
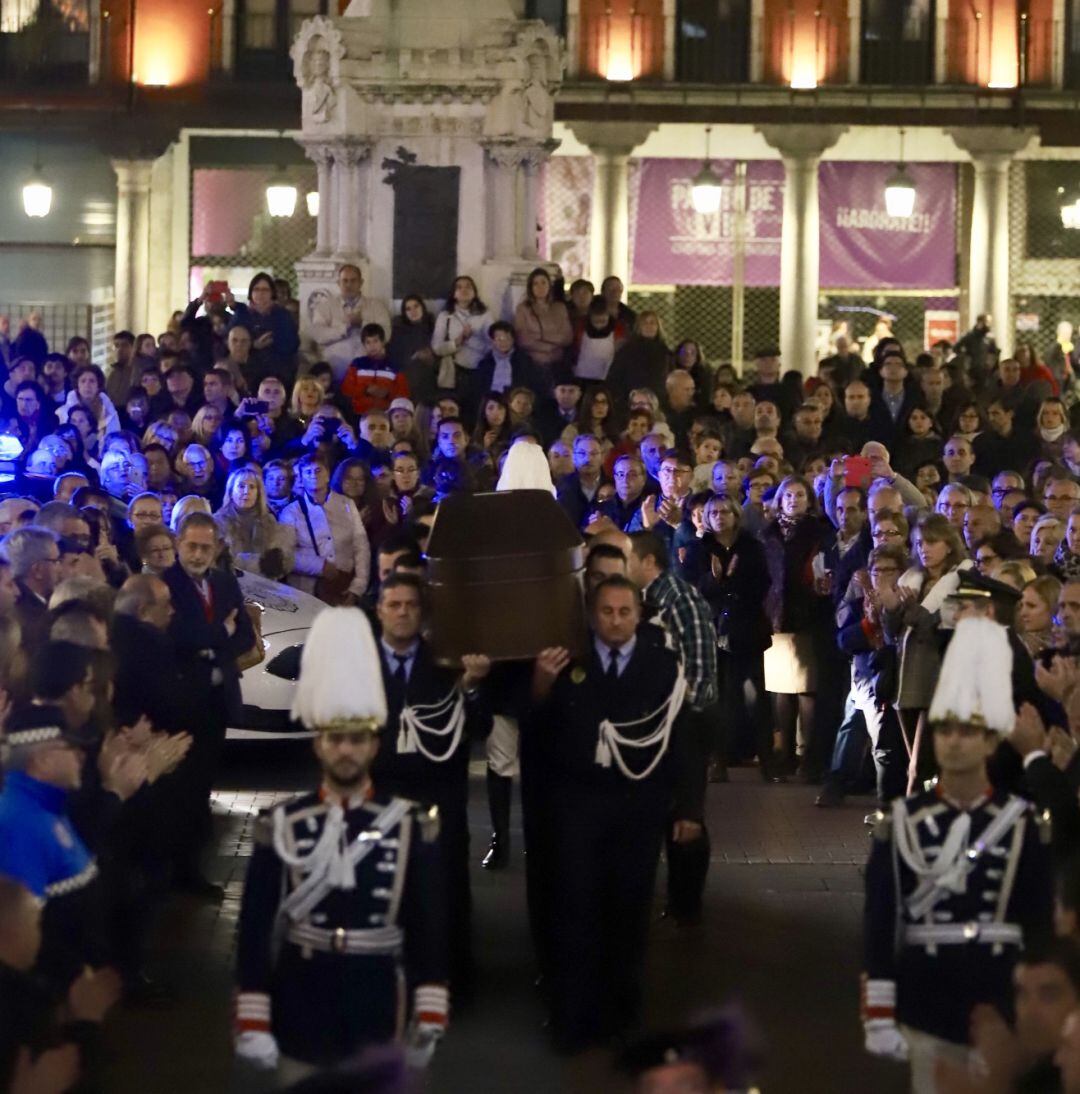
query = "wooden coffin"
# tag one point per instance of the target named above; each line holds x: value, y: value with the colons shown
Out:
x: 506, y: 576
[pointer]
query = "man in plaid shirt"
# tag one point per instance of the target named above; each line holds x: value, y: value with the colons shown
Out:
x: 687, y: 619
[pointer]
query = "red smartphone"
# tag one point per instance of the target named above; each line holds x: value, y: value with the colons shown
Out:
x: 857, y: 471
x: 216, y: 290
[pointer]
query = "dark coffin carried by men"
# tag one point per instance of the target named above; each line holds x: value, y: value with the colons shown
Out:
x: 505, y: 572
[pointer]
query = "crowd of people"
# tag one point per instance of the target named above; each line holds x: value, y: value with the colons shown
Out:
x: 808, y: 544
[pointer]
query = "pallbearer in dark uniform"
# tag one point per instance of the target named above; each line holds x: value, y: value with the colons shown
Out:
x: 342, y: 928
x: 432, y: 714
x: 959, y: 878
x: 617, y: 764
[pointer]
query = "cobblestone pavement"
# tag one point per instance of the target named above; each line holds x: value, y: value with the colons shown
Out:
x: 781, y: 935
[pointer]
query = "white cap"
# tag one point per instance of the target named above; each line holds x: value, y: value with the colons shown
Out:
x: 340, y: 686
x: 975, y: 682
x: 402, y: 404
x: 526, y: 468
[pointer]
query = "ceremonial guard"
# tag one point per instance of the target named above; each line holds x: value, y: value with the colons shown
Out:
x: 432, y: 714
x: 959, y: 878
x: 617, y: 765
x: 343, y: 916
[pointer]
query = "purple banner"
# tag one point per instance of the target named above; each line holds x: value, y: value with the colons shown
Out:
x: 863, y: 247
x: 672, y: 244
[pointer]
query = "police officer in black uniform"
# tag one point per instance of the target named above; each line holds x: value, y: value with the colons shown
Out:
x: 959, y: 877
x: 617, y: 764
x: 432, y: 714
x: 342, y: 938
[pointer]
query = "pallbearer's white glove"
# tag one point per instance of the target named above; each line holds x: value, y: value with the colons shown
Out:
x: 431, y: 1016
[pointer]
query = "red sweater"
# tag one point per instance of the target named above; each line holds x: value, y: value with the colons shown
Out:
x: 373, y: 384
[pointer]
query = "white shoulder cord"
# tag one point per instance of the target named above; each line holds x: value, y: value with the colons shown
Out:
x: 415, y: 723
x: 610, y: 741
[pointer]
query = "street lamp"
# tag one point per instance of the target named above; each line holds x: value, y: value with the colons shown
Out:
x: 900, y: 189
x: 1070, y: 210
x: 706, y: 187
x: 280, y: 196
x: 37, y: 195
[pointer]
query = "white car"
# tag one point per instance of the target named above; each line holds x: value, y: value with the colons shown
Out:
x: 287, y: 613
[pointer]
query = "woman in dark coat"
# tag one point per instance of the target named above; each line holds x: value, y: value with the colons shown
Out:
x: 734, y: 579
x: 642, y: 361
x: 274, y: 337
x: 410, y: 349
x: 800, y: 612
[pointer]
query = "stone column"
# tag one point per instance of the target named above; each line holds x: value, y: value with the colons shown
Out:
x: 531, y: 214
x: 801, y: 148
x: 132, y: 243
x: 322, y: 155
x: 991, y: 150
x: 612, y: 147
x: 350, y: 191
x: 504, y: 158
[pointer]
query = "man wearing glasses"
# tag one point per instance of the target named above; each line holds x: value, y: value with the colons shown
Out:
x: 34, y: 557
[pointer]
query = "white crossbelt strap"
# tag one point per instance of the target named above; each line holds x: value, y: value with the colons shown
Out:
x: 949, y: 872
x: 610, y: 741
x: 333, y: 861
x: 415, y: 723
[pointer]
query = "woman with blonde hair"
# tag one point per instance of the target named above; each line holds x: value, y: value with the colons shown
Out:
x: 307, y: 397
x: 256, y: 542
x: 644, y: 360
x: 160, y: 433
x: 1034, y: 621
x: 206, y: 423
x: 911, y: 622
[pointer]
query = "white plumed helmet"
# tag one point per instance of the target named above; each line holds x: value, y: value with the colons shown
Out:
x: 340, y: 687
x: 975, y: 684
x: 526, y: 468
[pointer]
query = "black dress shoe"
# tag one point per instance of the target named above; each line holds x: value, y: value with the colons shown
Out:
x: 829, y: 798
x: 141, y: 991
x: 197, y: 885
x: 718, y: 771
x: 498, y: 856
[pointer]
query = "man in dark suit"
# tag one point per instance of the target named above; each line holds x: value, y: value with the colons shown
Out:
x: 577, y: 491
x: 34, y: 556
x: 210, y: 630
x: 554, y: 415
x: 432, y: 713
x: 608, y: 808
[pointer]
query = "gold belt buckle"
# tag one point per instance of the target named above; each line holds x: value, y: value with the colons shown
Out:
x: 337, y: 940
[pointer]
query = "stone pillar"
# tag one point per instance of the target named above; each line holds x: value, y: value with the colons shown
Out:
x: 991, y: 150
x: 612, y: 147
x: 531, y: 213
x: 504, y: 158
x: 801, y: 148
x: 350, y: 186
x: 322, y: 155
x: 132, y: 243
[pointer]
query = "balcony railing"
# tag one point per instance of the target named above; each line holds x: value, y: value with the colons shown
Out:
x: 806, y: 53
x: 620, y: 46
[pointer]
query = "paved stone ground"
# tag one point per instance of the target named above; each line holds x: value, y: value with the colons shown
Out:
x: 781, y: 935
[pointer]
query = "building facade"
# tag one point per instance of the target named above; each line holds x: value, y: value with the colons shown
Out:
x: 160, y: 123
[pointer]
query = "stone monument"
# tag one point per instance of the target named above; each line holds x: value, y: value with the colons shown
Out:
x: 428, y: 131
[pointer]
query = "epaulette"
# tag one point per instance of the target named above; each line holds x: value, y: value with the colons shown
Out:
x: 427, y: 818
x: 1044, y: 825
x: 879, y: 825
